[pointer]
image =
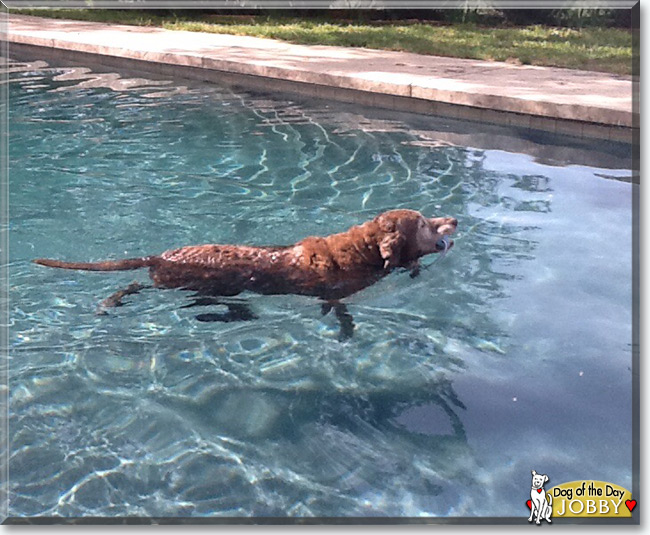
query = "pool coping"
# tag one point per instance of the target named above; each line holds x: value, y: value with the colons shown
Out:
x: 577, y: 103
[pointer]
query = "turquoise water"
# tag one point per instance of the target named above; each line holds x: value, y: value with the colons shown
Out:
x: 512, y: 353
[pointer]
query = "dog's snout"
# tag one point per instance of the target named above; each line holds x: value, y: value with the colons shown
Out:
x: 446, y: 223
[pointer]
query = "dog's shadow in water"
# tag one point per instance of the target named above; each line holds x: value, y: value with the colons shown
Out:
x: 241, y: 311
x: 236, y: 309
x: 263, y: 412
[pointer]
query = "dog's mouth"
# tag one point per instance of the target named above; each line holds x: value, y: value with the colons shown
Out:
x: 444, y: 228
x: 443, y: 245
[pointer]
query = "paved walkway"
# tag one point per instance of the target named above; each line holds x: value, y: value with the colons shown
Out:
x: 553, y: 93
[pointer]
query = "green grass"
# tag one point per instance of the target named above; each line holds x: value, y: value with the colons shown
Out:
x: 597, y: 49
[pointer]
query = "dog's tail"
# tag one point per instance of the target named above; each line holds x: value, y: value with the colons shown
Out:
x: 108, y: 265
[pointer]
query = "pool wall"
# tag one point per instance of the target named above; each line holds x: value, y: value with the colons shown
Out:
x: 576, y: 103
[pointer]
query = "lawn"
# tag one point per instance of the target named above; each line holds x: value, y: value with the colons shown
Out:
x: 592, y: 48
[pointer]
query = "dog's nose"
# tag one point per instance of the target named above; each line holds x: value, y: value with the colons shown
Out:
x: 453, y: 221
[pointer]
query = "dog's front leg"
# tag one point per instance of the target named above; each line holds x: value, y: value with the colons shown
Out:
x: 414, y: 268
x: 540, y: 512
x: 346, y: 321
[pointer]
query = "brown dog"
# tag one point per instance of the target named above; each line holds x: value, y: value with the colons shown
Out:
x: 330, y: 268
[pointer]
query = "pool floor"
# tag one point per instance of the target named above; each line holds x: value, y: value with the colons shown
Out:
x: 512, y: 353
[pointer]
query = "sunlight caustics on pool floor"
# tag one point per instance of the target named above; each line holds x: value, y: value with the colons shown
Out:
x: 512, y: 353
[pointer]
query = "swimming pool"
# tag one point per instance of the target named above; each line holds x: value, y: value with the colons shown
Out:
x: 512, y: 353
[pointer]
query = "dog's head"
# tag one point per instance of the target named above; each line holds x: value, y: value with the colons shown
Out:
x: 407, y: 235
x: 539, y: 480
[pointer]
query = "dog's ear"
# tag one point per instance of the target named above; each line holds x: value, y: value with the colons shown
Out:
x: 534, y: 473
x: 545, y: 479
x: 392, y: 241
x: 390, y: 248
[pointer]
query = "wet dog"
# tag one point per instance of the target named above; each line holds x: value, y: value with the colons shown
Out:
x: 330, y: 268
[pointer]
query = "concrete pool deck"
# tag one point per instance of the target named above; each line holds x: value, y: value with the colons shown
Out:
x: 580, y: 103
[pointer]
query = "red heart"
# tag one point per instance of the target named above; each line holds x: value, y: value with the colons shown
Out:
x: 529, y: 504
x: 539, y: 490
x: 631, y: 504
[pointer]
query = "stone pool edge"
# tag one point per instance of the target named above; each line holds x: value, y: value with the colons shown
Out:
x: 561, y: 118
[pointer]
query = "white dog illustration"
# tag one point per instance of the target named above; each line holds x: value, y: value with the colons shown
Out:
x: 538, y: 499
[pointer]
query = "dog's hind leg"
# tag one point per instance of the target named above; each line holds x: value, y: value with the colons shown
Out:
x: 115, y: 300
x: 346, y: 321
x: 549, y: 509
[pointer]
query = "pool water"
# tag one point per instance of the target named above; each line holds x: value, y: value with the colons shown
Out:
x: 512, y: 353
